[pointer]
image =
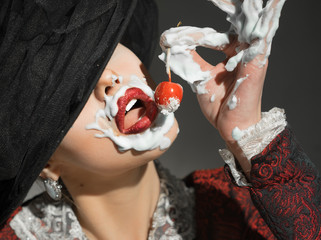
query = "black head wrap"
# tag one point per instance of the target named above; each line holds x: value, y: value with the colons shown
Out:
x: 52, y: 54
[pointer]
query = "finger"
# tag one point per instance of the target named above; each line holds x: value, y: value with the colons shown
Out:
x: 251, y: 11
x: 262, y: 34
x: 268, y: 22
x: 183, y: 64
x: 218, y: 72
x: 191, y: 67
x: 255, y: 26
x: 183, y: 41
x: 191, y: 37
x: 228, y: 6
x: 247, y: 89
x: 186, y: 63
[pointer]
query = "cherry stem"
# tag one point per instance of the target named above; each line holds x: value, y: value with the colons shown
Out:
x: 168, y: 69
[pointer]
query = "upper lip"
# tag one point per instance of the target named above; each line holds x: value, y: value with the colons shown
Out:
x: 147, y: 118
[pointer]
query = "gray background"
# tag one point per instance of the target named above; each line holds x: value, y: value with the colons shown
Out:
x: 292, y: 82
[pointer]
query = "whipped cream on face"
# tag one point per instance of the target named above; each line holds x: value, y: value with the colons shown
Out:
x: 111, y: 108
x: 116, y: 79
x: 150, y: 139
x: 254, y: 25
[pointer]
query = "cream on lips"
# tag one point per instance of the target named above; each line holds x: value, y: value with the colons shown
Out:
x: 147, y: 133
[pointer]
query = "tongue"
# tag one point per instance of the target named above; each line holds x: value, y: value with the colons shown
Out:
x: 133, y: 116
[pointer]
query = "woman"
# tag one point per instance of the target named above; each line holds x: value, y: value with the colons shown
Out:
x: 67, y: 128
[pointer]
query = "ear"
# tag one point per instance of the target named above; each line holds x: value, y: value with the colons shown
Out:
x: 51, y: 170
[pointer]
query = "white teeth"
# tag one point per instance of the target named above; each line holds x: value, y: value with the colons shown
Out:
x: 131, y: 104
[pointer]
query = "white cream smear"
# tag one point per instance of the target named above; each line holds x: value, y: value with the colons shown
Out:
x: 237, y: 134
x: 232, y: 102
x: 212, y: 98
x: 181, y: 40
x: 151, y: 138
x: 114, y: 79
x: 171, y: 107
x: 253, y: 24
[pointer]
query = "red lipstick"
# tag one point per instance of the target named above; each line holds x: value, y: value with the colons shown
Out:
x: 146, y: 119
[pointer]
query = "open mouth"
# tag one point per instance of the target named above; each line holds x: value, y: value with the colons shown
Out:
x: 136, y: 111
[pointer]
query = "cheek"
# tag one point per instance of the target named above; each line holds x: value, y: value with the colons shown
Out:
x: 81, y: 149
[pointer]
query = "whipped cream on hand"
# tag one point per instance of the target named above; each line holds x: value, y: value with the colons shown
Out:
x: 147, y: 133
x: 230, y: 92
x: 253, y: 24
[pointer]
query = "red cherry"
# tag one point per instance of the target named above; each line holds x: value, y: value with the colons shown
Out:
x: 166, y: 92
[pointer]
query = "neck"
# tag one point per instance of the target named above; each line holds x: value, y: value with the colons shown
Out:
x: 120, y: 207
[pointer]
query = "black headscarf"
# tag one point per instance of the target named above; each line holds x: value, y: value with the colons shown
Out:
x: 52, y: 53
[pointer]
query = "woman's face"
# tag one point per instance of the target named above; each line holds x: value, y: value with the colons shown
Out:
x: 81, y: 149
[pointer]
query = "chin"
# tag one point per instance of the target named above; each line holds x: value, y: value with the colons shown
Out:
x: 153, y: 154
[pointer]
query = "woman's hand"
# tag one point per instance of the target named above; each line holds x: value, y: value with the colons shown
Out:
x: 230, y: 92
x: 229, y: 99
x: 237, y: 94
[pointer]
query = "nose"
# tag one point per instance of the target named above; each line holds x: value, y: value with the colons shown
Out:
x: 109, y: 82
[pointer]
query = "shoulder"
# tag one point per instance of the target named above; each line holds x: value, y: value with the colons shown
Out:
x: 216, y: 193
x: 215, y: 184
x: 223, y: 209
x: 210, y: 176
x: 6, y: 232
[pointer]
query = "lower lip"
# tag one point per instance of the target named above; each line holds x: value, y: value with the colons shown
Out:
x: 145, y: 122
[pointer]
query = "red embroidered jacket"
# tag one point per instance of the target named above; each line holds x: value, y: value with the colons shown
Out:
x: 286, y: 194
x: 283, y: 203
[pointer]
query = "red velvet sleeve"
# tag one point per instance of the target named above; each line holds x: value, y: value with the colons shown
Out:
x: 286, y: 189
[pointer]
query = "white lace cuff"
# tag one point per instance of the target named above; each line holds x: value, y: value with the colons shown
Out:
x: 237, y: 174
x: 254, y: 139
x: 258, y: 136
